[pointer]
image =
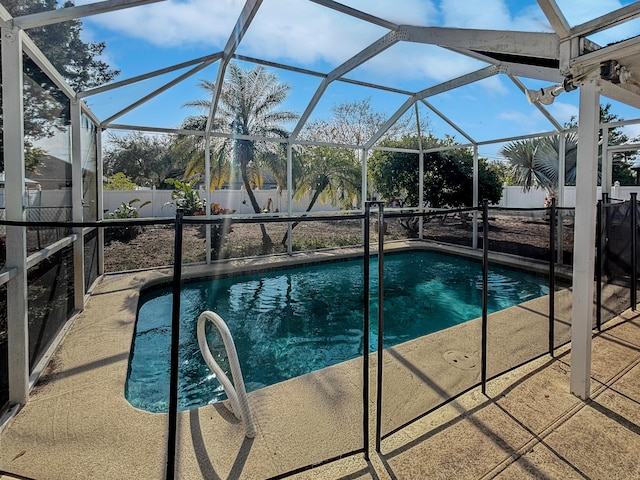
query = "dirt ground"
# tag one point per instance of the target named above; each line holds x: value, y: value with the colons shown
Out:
x: 520, y: 235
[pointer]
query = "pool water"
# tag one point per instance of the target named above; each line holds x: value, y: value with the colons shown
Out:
x: 291, y: 322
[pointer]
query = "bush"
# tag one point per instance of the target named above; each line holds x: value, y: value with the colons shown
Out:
x: 124, y: 211
x: 186, y: 197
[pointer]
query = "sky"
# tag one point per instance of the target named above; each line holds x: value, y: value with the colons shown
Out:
x: 306, y: 35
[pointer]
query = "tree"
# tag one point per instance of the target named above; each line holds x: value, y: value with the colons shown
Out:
x: 448, y: 175
x: 249, y: 106
x: 621, y: 162
x: 77, y: 61
x: 330, y: 175
x: 147, y: 160
x: 355, y: 123
x: 46, y: 108
x: 535, y: 162
x: 119, y: 181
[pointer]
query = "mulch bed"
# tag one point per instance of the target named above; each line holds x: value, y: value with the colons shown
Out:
x: 524, y: 236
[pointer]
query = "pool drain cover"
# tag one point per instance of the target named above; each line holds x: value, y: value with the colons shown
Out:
x: 461, y: 360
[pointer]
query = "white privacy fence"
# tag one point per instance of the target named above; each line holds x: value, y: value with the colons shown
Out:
x: 238, y: 200
x: 514, y: 197
x: 161, y: 205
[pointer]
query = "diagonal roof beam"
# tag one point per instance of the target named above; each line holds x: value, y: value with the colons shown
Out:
x: 533, y: 71
x: 268, y: 63
x: 40, y: 59
x: 556, y: 18
x: 157, y: 92
x: 629, y: 95
x: 71, y: 13
x: 357, y: 14
x: 369, y: 52
x: 542, y: 110
x: 457, y: 82
x: 520, y: 69
x: 5, y: 17
x: 609, y: 20
x: 446, y: 119
x: 525, y: 44
x: 429, y: 92
x: 123, y: 83
x: 246, y: 17
x: 618, y: 50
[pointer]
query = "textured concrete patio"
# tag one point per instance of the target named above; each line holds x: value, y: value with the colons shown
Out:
x: 78, y: 423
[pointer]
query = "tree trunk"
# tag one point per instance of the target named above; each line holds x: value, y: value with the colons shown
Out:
x: 311, y: 204
x: 267, y: 243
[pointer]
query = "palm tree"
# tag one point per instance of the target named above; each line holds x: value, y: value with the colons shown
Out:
x: 332, y: 174
x: 535, y: 162
x: 248, y: 106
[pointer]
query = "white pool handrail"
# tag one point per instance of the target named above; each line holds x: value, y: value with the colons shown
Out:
x: 235, y: 391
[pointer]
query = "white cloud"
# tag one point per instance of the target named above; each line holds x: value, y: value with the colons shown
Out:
x: 562, y: 111
x: 586, y: 10
x: 521, y: 118
x: 304, y: 32
x: 488, y: 14
x: 175, y: 23
x: 301, y: 32
x: 494, y: 86
x: 529, y: 120
x: 413, y: 12
x: 632, y: 131
x: 491, y: 15
x: 414, y: 62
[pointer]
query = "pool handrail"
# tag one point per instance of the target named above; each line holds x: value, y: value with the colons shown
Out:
x: 235, y: 391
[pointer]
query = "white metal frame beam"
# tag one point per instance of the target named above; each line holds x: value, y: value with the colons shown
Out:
x: 630, y: 93
x: 13, y: 126
x: 60, y: 15
x: 35, y: 54
x: 77, y: 203
x: 611, y: 19
x: 584, y: 240
x: 282, y: 66
x: 518, y: 69
x: 5, y: 18
x: 447, y: 120
x: 527, y: 44
x: 139, y: 78
x: 540, y: 108
x: 556, y: 18
x: 157, y: 92
x: 357, y: 14
x: 369, y: 52
x: 246, y: 17
x: 428, y: 92
x: 614, y: 51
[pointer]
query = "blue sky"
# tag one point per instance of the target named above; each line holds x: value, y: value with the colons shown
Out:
x: 305, y: 35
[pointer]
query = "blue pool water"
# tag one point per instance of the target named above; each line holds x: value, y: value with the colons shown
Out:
x: 290, y: 322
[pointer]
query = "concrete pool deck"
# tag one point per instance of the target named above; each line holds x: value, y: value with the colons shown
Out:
x: 78, y: 424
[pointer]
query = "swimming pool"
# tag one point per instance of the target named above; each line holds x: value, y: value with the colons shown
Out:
x: 290, y: 322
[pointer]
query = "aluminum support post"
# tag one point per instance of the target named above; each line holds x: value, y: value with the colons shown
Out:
x: 584, y: 240
x: 475, y: 198
x: 77, y: 204
x: 13, y: 126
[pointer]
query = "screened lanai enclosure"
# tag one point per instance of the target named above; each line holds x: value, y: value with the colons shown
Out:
x: 269, y: 144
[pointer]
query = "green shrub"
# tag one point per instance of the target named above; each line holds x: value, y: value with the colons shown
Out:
x: 185, y: 196
x: 124, y: 211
